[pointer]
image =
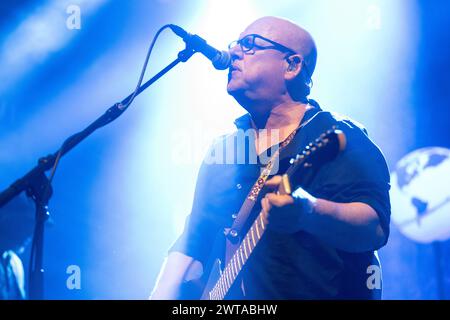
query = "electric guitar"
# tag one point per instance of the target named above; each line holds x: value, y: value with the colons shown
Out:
x: 221, y: 279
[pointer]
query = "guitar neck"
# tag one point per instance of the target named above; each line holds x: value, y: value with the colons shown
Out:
x: 240, y: 257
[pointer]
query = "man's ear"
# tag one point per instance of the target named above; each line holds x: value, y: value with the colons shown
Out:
x: 294, y: 67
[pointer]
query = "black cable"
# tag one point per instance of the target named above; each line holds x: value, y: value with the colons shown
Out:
x: 149, y: 52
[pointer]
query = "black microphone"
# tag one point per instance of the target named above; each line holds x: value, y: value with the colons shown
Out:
x: 221, y: 60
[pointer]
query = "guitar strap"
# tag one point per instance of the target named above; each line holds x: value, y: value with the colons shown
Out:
x: 233, y: 234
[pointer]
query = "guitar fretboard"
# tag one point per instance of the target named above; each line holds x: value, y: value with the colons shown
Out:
x: 238, y: 260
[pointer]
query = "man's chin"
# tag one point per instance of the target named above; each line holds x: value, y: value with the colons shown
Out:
x: 233, y: 88
x: 236, y: 93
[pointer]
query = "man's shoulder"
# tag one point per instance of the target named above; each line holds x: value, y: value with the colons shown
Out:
x: 316, y: 125
x: 356, y: 133
x: 328, y: 119
x: 223, y: 139
x: 243, y: 128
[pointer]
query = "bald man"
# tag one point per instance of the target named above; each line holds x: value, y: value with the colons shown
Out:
x: 320, y: 241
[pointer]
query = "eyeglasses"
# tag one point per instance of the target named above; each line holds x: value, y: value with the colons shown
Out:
x: 247, y: 44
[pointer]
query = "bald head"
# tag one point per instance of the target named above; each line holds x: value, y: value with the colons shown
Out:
x: 289, y: 34
x: 264, y: 71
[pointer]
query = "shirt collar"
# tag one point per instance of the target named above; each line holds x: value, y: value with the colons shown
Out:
x: 245, y: 122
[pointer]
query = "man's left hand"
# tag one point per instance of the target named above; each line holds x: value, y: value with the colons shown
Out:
x: 283, y: 212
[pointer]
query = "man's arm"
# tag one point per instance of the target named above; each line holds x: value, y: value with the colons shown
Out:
x: 351, y: 227
x: 176, y: 269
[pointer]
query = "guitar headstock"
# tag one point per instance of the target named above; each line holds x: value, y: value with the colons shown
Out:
x: 325, y: 148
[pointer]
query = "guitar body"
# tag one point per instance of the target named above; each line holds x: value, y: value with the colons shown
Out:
x: 214, y: 276
x: 199, y: 289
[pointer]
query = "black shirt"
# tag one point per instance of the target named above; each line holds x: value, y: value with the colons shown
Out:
x: 299, y: 265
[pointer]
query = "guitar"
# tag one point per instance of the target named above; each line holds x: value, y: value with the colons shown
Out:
x: 221, y: 279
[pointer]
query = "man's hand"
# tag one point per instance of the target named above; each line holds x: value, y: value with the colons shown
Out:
x: 351, y: 227
x: 283, y: 212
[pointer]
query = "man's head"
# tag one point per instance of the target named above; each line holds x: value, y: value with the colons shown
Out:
x: 279, y: 65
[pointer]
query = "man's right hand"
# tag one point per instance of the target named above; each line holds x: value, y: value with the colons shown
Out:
x: 176, y: 269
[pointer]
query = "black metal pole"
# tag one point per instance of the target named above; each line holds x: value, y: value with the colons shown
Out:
x: 36, y: 269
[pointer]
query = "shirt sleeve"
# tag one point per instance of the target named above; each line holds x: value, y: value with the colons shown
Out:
x: 358, y: 174
x: 202, y: 224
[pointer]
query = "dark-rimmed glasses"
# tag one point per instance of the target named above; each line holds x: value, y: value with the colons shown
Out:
x: 248, y: 44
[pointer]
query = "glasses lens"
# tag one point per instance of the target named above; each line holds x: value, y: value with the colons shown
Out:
x: 247, y: 43
x: 232, y: 44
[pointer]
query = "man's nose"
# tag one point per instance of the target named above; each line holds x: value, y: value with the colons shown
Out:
x: 236, y: 52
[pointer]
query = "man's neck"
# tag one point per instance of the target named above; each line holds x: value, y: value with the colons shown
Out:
x: 278, y: 124
x: 283, y: 115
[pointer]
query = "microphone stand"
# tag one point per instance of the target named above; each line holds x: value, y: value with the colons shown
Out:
x: 38, y: 186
